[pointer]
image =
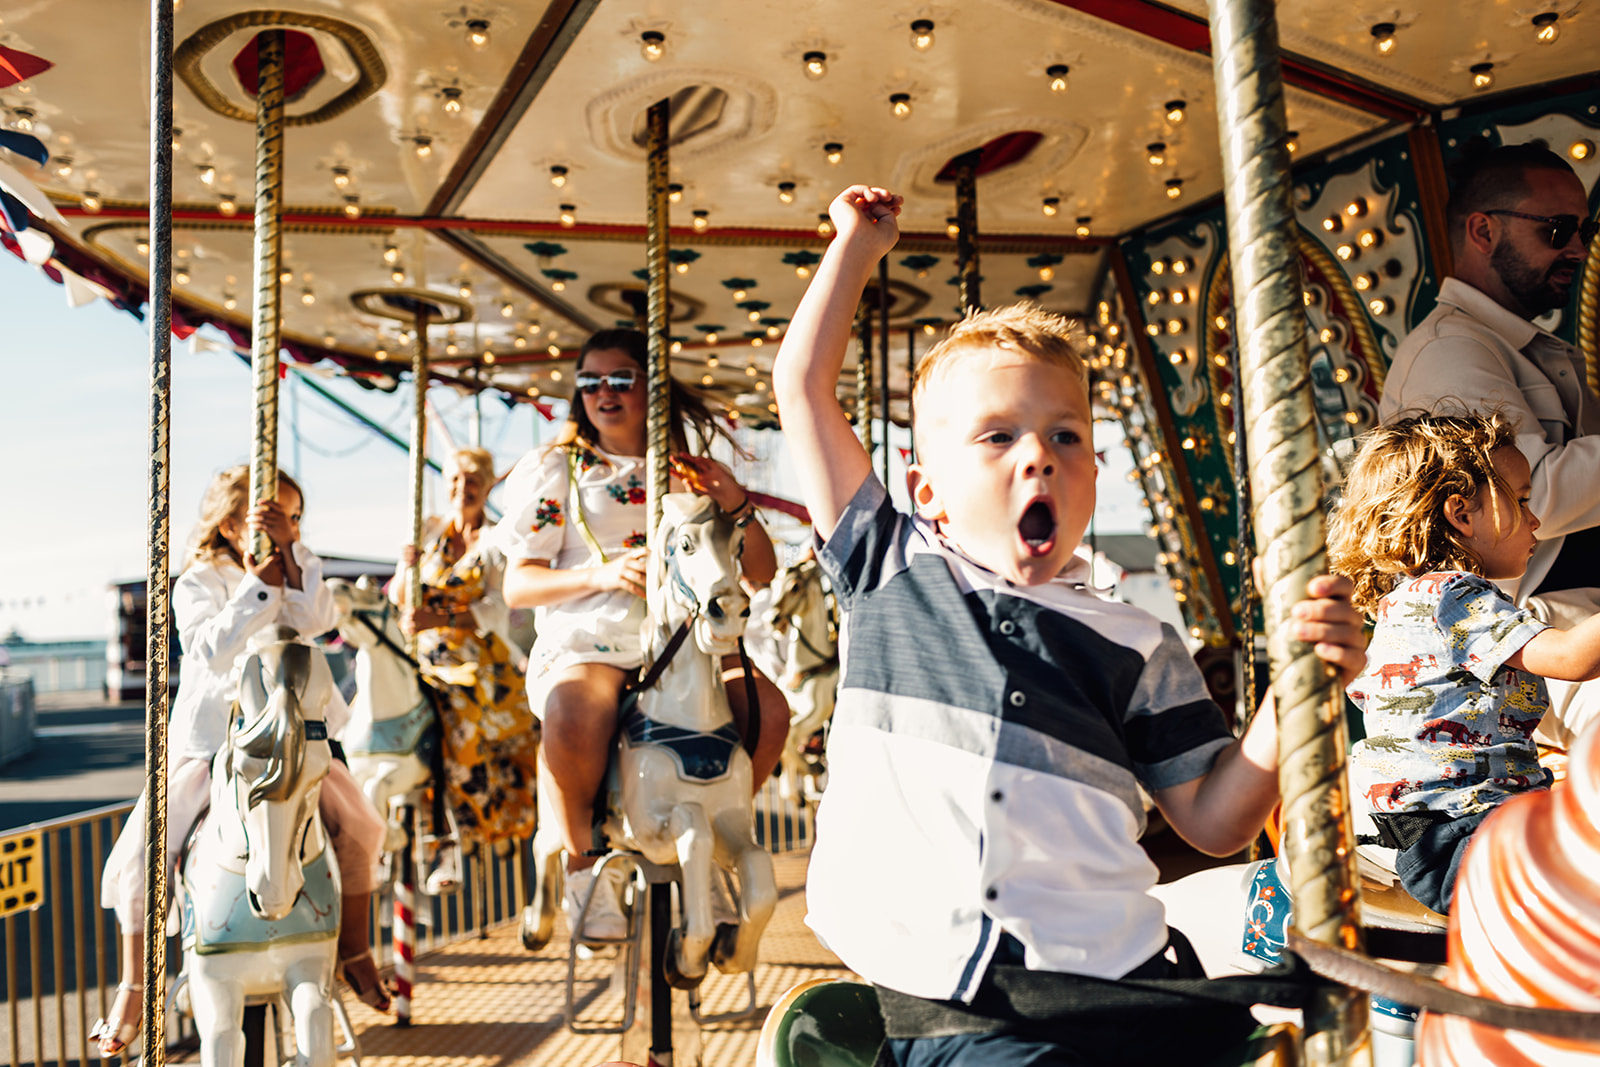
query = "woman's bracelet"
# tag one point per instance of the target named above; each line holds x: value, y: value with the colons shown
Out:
x: 744, y: 514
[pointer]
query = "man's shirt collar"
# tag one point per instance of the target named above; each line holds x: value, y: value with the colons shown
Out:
x: 1515, y: 330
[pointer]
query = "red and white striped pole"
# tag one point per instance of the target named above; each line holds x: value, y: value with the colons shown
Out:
x: 405, y: 923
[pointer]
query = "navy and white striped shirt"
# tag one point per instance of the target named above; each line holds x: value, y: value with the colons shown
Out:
x: 984, y: 761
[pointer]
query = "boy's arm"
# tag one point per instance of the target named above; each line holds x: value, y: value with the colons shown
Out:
x: 1222, y: 811
x: 1566, y: 655
x: 828, y: 460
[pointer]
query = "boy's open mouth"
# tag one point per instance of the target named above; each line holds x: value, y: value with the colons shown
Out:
x: 1037, y: 527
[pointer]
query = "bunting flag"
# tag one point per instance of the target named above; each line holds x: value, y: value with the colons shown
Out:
x: 15, y: 214
x: 18, y: 66
x: 37, y: 247
x: 20, y: 188
x: 25, y: 145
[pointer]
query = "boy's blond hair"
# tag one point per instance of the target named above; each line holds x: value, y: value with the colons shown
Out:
x: 1023, y: 327
x: 1391, y: 524
x: 474, y: 461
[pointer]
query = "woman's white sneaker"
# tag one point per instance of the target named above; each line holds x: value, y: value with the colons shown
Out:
x: 605, y: 920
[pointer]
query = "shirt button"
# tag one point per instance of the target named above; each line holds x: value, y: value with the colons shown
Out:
x: 1018, y: 698
x: 1007, y: 626
x: 991, y: 893
x: 997, y: 796
x: 261, y: 595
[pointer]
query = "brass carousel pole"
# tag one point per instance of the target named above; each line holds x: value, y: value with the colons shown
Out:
x: 419, y: 460
x: 1286, y: 485
x: 864, y: 383
x: 158, y: 567
x: 967, y: 223
x: 268, y: 262
x: 883, y: 359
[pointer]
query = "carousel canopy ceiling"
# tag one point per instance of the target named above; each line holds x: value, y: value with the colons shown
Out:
x: 493, y: 151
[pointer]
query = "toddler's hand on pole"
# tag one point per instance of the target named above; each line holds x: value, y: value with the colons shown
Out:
x: 867, y: 217
x: 1330, y: 623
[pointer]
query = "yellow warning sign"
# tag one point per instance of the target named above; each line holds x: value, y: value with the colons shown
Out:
x: 21, y: 872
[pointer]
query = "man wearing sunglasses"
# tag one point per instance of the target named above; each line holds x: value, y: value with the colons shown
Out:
x: 1520, y: 233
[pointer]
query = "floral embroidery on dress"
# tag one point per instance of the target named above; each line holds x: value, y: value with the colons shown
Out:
x: 549, y: 514
x: 587, y: 461
x: 632, y: 493
x: 635, y: 540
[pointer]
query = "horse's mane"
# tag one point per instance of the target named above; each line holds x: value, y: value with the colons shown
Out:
x: 275, y: 735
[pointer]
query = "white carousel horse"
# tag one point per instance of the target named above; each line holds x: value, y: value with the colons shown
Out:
x: 260, y: 882
x: 391, y: 719
x: 802, y: 610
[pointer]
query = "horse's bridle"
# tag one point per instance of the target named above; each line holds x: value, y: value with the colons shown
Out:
x: 380, y: 630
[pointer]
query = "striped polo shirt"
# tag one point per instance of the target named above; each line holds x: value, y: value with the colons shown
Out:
x: 984, y: 760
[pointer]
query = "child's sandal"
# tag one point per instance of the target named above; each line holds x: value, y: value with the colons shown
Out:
x: 115, y: 1037
x: 373, y: 994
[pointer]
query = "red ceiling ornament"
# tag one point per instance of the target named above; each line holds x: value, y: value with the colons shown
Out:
x: 1001, y: 152
x: 302, y: 65
x: 18, y: 66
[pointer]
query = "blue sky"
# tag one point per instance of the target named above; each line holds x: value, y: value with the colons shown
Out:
x: 74, y: 417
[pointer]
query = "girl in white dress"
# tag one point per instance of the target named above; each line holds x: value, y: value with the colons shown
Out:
x: 221, y: 600
x: 574, y: 535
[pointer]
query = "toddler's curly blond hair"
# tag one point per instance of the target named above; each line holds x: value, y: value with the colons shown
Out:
x: 1390, y: 524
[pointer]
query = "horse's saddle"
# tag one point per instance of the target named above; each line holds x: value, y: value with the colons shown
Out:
x: 400, y: 736
x: 701, y: 757
x: 217, y: 916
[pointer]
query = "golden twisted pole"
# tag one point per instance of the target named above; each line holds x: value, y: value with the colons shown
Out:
x: 658, y: 374
x: 1286, y: 485
x: 864, y: 383
x: 1588, y: 309
x: 157, y: 563
x: 268, y: 319
x: 419, y: 462
x: 967, y: 223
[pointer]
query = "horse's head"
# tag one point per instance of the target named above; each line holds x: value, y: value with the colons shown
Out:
x: 696, y: 571
x: 364, y: 612
x: 275, y: 759
x: 799, y: 591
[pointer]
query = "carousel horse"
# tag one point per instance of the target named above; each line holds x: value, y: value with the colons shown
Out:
x: 803, y: 610
x: 260, y: 882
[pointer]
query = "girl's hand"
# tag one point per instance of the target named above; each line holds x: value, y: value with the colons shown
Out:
x: 269, y: 570
x: 624, y: 574
x: 706, y: 476
x: 408, y: 555
x: 1327, y: 620
x: 269, y: 517
x: 867, y: 217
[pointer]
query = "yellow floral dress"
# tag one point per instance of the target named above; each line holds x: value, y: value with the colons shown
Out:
x: 490, y: 737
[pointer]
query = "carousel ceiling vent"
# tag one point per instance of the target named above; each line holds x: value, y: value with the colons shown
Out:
x: 1030, y: 152
x: 709, y: 110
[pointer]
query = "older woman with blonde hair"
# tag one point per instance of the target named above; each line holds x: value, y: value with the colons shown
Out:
x: 464, y: 650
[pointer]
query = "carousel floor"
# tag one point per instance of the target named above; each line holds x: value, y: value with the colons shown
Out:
x: 490, y: 1003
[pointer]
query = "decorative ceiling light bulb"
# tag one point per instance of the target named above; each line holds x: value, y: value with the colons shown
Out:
x: 834, y: 151
x: 63, y: 166
x: 558, y: 286
x: 478, y: 33
x: 711, y: 360
x: 391, y: 254
x: 706, y: 379
x: 1482, y: 76
x: 1057, y: 73
x: 352, y: 207
x: 398, y: 275
x: 569, y: 216
x: 1083, y: 225
x: 1291, y: 141
x: 1383, y: 38
x: 773, y: 331
x: 702, y: 220
x: 423, y: 145
x: 1051, y: 206
x: 452, y: 99
x: 824, y: 225
x: 181, y: 277
x: 1581, y: 149
x: 922, y: 34
x: 91, y: 202
x: 681, y: 268
x: 1174, y: 188
x: 22, y: 121
x: 507, y: 310
x: 208, y: 174
x: 1156, y: 153
x: 786, y: 192
x: 1177, y: 110
x: 1047, y: 273
x: 451, y: 348
x: 308, y: 296
x: 328, y: 340
x: 519, y: 342
x: 675, y: 193
x: 740, y: 294
x: 465, y: 289
x: 652, y: 45
x: 952, y: 227
x: 1546, y: 27
x: 341, y: 177
x: 229, y: 301
x: 558, y: 176
x: 816, y: 64
x: 802, y: 271
x: 142, y: 246
x: 900, y: 105
x: 177, y: 140
x: 285, y: 276
x: 488, y: 356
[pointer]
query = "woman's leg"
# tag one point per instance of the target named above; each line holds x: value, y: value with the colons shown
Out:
x: 774, y: 716
x: 355, y: 833
x: 580, y: 717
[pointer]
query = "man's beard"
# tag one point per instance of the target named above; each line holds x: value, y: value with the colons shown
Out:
x: 1533, y: 288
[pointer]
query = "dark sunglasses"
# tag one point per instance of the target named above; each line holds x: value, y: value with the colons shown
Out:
x: 618, y: 381
x: 1562, y: 227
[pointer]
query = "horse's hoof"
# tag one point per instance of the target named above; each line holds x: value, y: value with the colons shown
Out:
x: 724, y: 943
x: 673, y: 974
x: 536, y: 928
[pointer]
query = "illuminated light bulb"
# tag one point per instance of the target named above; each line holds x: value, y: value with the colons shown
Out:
x: 756, y: 342
x: 1383, y: 38
x: 824, y: 226
x: 519, y: 342
x: 64, y: 168
x: 352, y: 207
x: 1325, y: 335
x: 1222, y: 361
x: 1380, y: 306
x: 423, y: 145
x: 569, y: 217
x: 1177, y: 359
x: 177, y: 136
x: 1229, y: 558
x: 1154, y: 330
x: 1174, y: 188
x: 1341, y: 375
x: 142, y: 246
x: 1307, y: 297
x: 1291, y: 141
x: 1156, y: 153
x: 1581, y: 149
x: 922, y: 34
x: 1051, y: 206
x: 285, y: 277
x: 1083, y: 225
x: 558, y: 176
x: 1546, y: 27
x: 675, y: 193
x: 1225, y: 399
x: 534, y: 328
x: 1206, y: 504
x: 465, y: 290
x: 1057, y: 73
x: 816, y: 64
x: 452, y: 99
x: 1179, y: 295
x: 478, y: 33
x: 802, y: 271
x: 1356, y: 208
x: 488, y: 357
x: 900, y: 105
x: 507, y: 310
x: 1364, y: 281
x: 23, y: 122
x: 1482, y: 76
x: 750, y: 370
x: 681, y: 268
x: 952, y: 228
x: 1176, y: 326
x: 533, y: 390
x: 652, y: 45
x: 706, y: 379
x: 308, y: 297
x: 1221, y: 323
x: 391, y: 255
x: 229, y: 301
x: 1046, y: 274
x: 1113, y: 329
x: 675, y: 347
x: 91, y: 202
x: 181, y: 277
x: 328, y: 340
x: 702, y: 220
x: 341, y: 177
x: 740, y: 294
x: 834, y: 153
x: 1154, y: 298
x: 558, y: 286
x: 398, y: 276
x: 208, y: 174
x: 227, y: 205
x: 754, y: 316
x: 1158, y: 266
x: 761, y: 387
x: 554, y: 350
x: 786, y: 192
x: 711, y: 360
x: 1333, y: 224
x: 1177, y: 110
x: 773, y: 331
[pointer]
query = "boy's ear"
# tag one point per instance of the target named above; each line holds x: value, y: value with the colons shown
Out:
x: 925, y: 499
x: 1460, y: 513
